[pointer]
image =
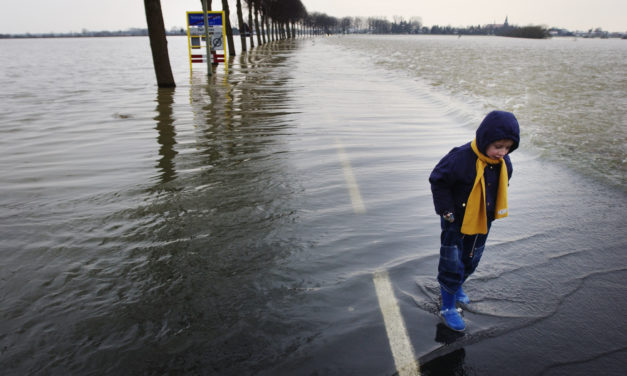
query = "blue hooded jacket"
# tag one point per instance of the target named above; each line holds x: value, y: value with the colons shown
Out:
x: 453, y: 177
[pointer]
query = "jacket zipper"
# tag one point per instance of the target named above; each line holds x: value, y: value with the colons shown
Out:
x: 473, y: 246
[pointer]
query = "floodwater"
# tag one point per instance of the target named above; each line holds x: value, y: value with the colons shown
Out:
x: 234, y: 225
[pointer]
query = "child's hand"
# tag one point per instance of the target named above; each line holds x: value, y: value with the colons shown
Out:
x: 449, y: 217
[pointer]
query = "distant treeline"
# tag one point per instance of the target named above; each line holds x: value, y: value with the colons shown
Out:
x: 535, y: 32
x: 508, y: 31
x: 84, y: 33
x: 399, y: 25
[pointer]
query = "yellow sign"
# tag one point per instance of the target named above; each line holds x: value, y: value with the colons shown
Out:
x: 196, y: 37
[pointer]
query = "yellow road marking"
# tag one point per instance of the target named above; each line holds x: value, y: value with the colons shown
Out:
x: 402, y: 350
x: 351, y: 182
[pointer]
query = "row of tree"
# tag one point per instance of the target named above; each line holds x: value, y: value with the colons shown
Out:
x: 268, y: 20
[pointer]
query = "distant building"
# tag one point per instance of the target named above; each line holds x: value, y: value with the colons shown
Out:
x: 557, y: 32
x: 498, y: 26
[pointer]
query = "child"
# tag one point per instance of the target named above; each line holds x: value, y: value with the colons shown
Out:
x: 469, y: 187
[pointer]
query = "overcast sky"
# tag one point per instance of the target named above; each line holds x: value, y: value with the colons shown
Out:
x: 42, y: 16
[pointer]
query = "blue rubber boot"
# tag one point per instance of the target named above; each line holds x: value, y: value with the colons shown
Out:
x: 449, y: 313
x: 460, y: 296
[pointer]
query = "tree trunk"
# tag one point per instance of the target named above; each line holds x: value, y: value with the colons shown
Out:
x: 240, y: 20
x: 267, y: 33
x: 208, y: 4
x: 227, y: 25
x: 158, y: 43
x: 264, y: 29
x: 257, y: 24
x: 274, y: 31
x: 250, y: 25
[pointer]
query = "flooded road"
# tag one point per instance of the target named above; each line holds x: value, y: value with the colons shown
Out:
x: 238, y: 227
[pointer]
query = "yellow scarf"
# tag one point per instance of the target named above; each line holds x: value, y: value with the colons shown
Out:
x: 475, y: 217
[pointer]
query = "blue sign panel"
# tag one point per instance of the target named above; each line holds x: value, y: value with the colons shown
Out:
x: 197, y: 19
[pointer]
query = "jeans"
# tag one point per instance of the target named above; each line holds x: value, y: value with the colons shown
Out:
x: 459, y: 255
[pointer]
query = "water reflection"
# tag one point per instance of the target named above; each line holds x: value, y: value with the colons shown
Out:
x: 449, y: 358
x: 451, y: 364
x: 205, y: 292
x: 446, y: 336
x: 167, y: 133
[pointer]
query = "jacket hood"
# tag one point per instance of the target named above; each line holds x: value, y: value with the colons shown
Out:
x: 498, y: 125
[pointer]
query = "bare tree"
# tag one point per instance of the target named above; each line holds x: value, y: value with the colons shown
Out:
x: 227, y: 25
x: 240, y: 20
x: 255, y: 4
x: 250, y: 24
x: 208, y: 4
x: 265, y: 30
x: 158, y: 43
